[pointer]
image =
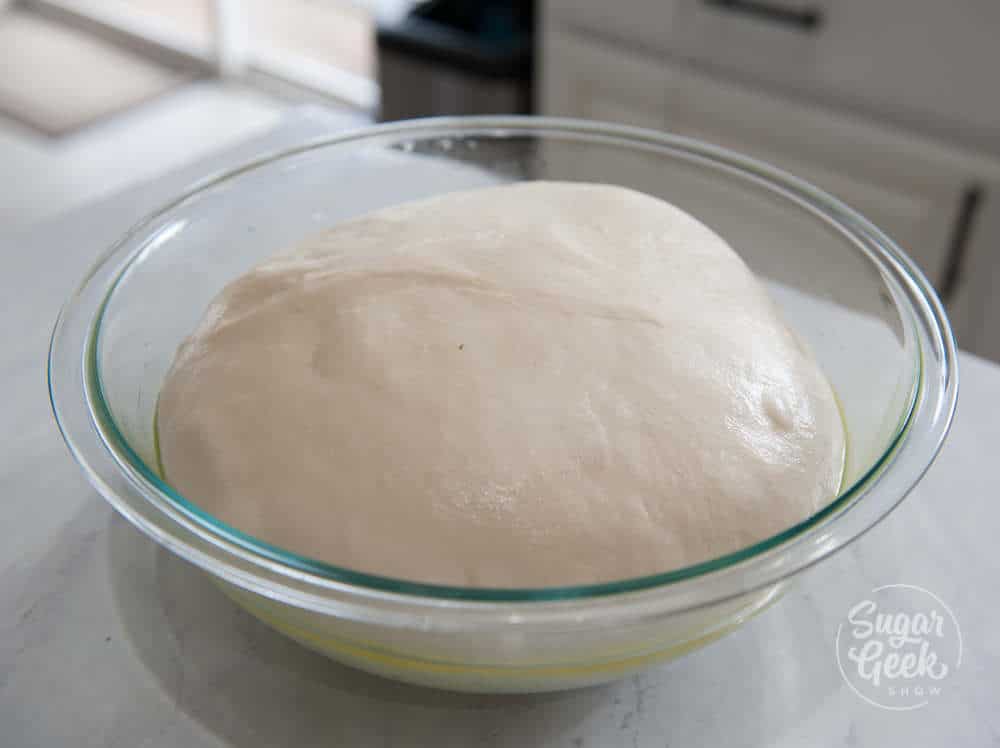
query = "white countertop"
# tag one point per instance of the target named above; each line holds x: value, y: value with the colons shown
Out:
x: 107, y: 640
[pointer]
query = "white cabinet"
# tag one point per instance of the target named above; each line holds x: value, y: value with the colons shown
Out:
x: 938, y: 198
x: 911, y: 189
x: 776, y: 45
x: 636, y: 23
x: 592, y: 80
x: 927, y: 64
x: 906, y: 186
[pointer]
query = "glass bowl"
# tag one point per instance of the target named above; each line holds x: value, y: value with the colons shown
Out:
x: 869, y: 315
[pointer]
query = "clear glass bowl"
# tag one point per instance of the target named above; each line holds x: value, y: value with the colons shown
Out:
x: 868, y: 313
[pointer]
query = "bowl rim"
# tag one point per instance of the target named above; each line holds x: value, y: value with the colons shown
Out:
x: 310, y: 583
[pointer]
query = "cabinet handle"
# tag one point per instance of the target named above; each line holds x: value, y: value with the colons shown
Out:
x: 972, y: 198
x: 806, y: 19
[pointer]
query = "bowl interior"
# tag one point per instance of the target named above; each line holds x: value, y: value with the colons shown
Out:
x: 835, y: 293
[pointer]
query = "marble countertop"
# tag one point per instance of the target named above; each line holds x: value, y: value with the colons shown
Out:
x: 108, y: 640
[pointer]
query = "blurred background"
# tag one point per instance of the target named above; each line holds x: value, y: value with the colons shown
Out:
x: 891, y: 105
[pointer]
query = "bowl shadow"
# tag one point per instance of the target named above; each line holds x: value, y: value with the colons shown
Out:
x: 255, y: 687
x: 252, y: 686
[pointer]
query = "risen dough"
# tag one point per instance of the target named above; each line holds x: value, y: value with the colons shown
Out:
x: 539, y: 384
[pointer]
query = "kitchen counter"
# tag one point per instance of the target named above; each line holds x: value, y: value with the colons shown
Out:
x: 108, y: 640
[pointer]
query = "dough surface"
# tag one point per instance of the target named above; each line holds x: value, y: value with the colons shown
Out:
x: 537, y: 384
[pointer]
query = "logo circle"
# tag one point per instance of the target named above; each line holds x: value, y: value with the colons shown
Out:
x: 897, y: 647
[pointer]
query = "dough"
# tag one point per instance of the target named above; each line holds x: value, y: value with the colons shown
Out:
x: 539, y: 384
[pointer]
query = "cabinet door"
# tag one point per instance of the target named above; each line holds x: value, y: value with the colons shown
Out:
x: 586, y: 78
x: 910, y: 187
x: 589, y: 79
x: 771, y: 41
x: 630, y: 22
x: 926, y: 63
